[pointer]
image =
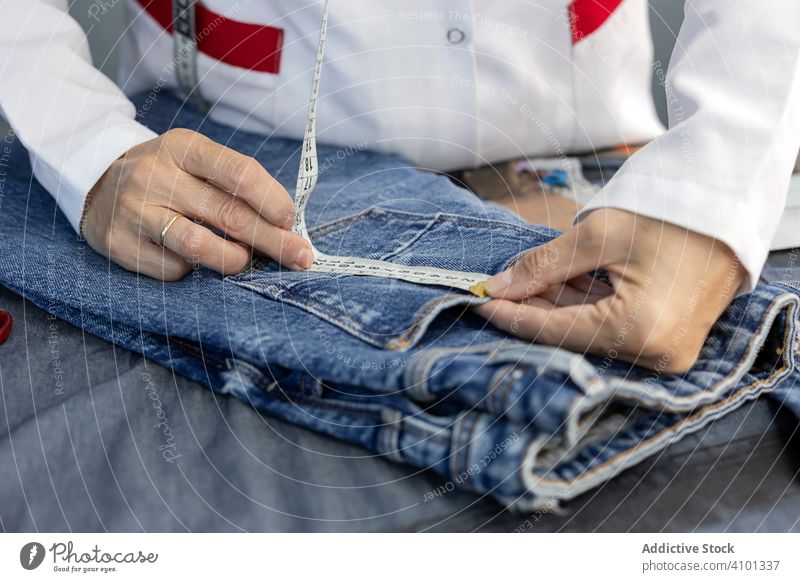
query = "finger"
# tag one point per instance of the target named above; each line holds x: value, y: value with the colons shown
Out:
x: 236, y: 218
x: 563, y: 295
x: 579, y: 328
x: 142, y: 256
x: 234, y: 173
x: 555, y: 262
x: 590, y: 285
x: 198, y: 245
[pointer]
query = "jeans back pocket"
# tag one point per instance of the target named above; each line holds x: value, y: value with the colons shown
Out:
x: 389, y: 313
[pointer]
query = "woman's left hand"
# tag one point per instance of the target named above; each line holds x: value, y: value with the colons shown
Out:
x: 668, y: 287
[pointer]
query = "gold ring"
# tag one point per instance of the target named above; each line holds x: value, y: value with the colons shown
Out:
x: 166, y: 228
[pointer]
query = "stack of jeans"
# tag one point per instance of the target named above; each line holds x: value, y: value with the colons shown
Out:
x: 406, y: 371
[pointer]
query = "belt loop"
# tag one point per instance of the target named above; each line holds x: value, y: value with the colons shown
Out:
x: 185, y: 51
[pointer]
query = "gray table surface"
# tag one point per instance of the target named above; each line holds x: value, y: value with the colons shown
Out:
x: 79, y: 451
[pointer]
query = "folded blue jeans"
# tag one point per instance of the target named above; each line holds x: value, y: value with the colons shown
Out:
x: 406, y: 371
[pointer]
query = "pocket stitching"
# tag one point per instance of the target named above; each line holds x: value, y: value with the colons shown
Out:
x: 287, y: 293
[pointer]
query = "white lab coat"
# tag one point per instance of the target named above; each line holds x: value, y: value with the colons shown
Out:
x: 454, y: 84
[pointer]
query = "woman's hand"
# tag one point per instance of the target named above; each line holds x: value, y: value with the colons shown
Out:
x: 206, y: 185
x: 668, y: 287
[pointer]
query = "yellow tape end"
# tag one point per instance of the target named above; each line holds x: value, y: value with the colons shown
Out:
x: 399, y: 344
x: 479, y: 289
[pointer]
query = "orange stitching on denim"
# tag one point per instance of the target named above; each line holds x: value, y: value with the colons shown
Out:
x: 408, y: 337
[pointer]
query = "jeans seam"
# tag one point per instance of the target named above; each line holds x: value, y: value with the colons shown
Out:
x: 338, y: 406
x: 259, y: 263
x: 195, y: 350
x: 465, y: 450
x: 419, y: 373
x: 420, y: 232
x: 667, y: 400
x: 256, y: 376
x: 508, y: 387
x: 392, y: 436
x: 703, y: 412
x: 440, y: 217
x: 407, y: 338
x: 458, y: 427
x: 498, y: 389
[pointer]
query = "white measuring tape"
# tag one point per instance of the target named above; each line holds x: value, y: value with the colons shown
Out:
x: 307, y: 179
x: 186, y: 57
x: 185, y: 51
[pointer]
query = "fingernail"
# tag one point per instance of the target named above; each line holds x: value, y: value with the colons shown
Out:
x: 499, y: 283
x: 303, y: 259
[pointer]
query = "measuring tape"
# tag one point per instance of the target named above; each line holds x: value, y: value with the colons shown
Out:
x: 307, y: 180
x: 186, y: 58
x: 185, y: 51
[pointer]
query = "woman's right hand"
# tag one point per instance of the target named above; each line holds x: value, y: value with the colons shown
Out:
x: 207, y: 185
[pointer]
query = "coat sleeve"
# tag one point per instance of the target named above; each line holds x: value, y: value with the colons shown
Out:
x: 723, y: 167
x: 72, y: 119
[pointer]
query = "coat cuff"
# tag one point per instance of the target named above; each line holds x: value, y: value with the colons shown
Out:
x: 690, y: 206
x: 70, y: 184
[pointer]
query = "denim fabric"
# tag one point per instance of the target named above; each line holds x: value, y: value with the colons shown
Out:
x: 406, y: 371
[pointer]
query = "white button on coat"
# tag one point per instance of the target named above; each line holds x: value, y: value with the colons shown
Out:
x: 455, y: 35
